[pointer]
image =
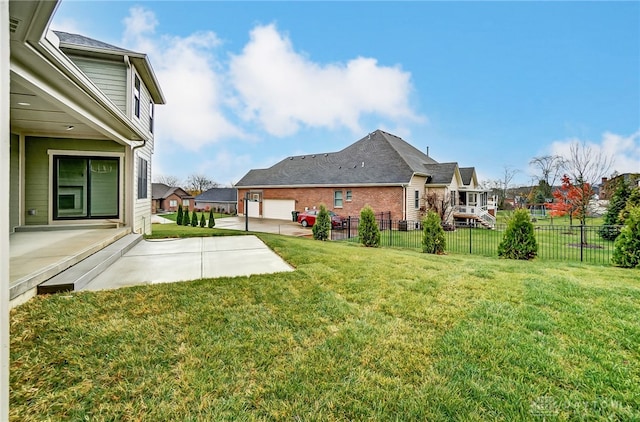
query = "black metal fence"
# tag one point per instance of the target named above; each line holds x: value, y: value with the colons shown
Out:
x: 561, y: 243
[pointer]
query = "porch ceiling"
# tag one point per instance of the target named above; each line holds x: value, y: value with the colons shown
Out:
x: 33, y: 114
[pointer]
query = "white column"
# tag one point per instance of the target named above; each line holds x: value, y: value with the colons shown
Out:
x: 4, y: 209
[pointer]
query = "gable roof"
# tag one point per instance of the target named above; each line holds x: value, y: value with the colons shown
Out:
x: 441, y: 173
x: 162, y: 191
x: 89, y: 46
x: 219, y: 195
x: 379, y: 158
x: 467, y: 174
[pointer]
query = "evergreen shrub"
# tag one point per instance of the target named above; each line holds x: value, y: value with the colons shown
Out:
x: 519, y: 240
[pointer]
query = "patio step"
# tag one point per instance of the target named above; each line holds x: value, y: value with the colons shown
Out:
x: 79, y: 275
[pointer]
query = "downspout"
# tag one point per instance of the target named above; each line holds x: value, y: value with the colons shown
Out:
x: 404, y: 202
x: 134, y: 197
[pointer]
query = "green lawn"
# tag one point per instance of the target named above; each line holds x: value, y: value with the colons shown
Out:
x: 352, y: 334
x: 162, y: 231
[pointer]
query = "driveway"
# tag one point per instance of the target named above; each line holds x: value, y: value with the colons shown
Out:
x: 172, y: 260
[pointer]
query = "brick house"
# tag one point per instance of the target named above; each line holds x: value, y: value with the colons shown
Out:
x: 167, y: 198
x: 380, y: 170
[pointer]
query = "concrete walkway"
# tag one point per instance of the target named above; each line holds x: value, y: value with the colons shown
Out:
x: 172, y: 260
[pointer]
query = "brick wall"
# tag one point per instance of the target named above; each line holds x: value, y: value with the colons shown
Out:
x: 381, y: 199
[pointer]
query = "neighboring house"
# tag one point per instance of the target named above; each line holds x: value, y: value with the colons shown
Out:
x: 81, y: 126
x: 223, y: 200
x: 166, y: 198
x: 608, y: 186
x: 380, y: 170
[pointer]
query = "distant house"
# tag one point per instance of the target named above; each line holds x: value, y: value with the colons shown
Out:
x: 167, y: 198
x: 608, y: 186
x: 380, y: 170
x: 224, y: 200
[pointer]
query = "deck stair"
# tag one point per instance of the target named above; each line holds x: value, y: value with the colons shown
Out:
x: 79, y: 275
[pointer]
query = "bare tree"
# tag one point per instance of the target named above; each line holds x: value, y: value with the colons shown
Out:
x: 550, y: 169
x: 585, y: 165
x: 440, y: 204
x: 198, y: 183
x: 504, y: 182
x: 168, y: 180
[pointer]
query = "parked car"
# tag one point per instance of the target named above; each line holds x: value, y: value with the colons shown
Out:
x: 308, y: 219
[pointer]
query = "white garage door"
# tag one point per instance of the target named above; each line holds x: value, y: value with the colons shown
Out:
x: 279, y: 209
x: 254, y: 208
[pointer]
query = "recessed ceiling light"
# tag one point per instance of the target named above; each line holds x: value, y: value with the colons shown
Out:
x: 22, y: 103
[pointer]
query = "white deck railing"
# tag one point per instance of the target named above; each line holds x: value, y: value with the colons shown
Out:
x: 481, y: 211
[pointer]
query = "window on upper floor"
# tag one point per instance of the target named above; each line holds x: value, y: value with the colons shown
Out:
x: 143, y: 177
x: 348, y: 196
x: 136, y: 96
x: 337, y: 199
x: 416, y: 199
x: 151, y: 116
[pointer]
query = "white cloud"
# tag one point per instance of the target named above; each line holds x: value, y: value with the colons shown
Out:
x: 187, y: 70
x: 283, y: 89
x: 67, y: 25
x: 226, y: 167
x: 624, y: 150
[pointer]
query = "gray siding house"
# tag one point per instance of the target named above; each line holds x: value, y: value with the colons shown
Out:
x: 224, y: 200
x: 80, y: 134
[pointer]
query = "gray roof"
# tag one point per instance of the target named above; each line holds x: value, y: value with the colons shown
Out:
x: 441, y: 173
x: 467, y: 174
x: 219, y: 195
x: 162, y: 191
x: 82, y: 41
x: 378, y: 158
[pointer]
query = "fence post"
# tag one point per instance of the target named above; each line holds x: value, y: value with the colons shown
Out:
x: 581, y: 242
x: 349, y: 227
x: 470, y: 241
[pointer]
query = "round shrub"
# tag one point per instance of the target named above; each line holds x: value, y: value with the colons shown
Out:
x: 519, y: 241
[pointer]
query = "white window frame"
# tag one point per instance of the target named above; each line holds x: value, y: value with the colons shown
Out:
x: 136, y: 96
x: 151, y: 107
x: 173, y: 203
x: 143, y: 178
x: 337, y: 199
x: 185, y: 202
x: 416, y: 199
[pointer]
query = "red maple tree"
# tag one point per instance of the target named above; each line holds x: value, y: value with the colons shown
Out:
x: 572, y: 199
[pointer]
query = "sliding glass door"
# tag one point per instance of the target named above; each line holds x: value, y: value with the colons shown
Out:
x: 86, y: 187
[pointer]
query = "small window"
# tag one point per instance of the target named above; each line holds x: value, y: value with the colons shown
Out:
x: 173, y: 203
x: 151, y: 116
x: 416, y: 199
x: 453, y: 198
x: 136, y: 96
x: 142, y: 178
x: 337, y: 199
x: 185, y: 202
x: 348, y: 196
x: 256, y: 197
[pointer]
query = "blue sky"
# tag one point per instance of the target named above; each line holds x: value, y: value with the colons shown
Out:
x: 485, y: 84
